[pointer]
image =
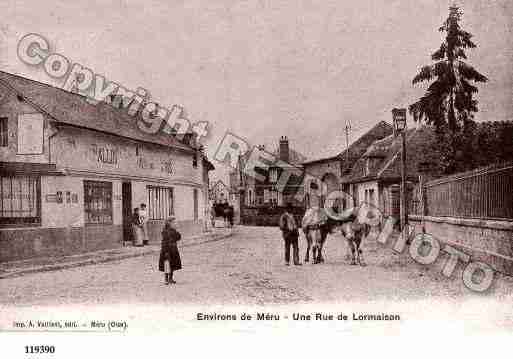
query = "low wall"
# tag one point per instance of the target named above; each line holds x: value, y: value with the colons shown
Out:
x: 253, y: 216
x: 487, y: 241
x: 186, y: 228
x: 37, y: 242
x: 33, y: 242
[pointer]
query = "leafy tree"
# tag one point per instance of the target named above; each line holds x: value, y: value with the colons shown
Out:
x: 449, y: 103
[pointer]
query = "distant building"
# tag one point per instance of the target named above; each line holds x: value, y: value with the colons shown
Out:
x: 219, y: 192
x: 376, y: 176
x: 263, y: 192
x: 71, y: 173
x: 261, y: 197
x: 331, y: 169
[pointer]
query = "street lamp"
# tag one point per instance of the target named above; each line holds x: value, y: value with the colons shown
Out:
x: 399, y: 117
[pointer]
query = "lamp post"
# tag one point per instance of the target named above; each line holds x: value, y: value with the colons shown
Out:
x: 399, y: 117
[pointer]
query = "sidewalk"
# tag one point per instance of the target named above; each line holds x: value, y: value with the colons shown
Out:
x: 18, y: 268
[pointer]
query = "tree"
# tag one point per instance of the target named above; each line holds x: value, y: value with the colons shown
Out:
x: 449, y: 104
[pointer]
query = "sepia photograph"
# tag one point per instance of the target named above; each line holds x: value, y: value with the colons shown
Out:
x: 320, y: 172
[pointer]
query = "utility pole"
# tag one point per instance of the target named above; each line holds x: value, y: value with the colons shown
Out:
x: 241, y: 188
x: 404, y: 210
x: 348, y: 128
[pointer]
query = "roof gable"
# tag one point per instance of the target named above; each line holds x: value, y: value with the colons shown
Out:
x: 357, y: 148
x: 387, y: 165
x: 73, y: 109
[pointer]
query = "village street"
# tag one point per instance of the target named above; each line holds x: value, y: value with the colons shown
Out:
x: 247, y: 268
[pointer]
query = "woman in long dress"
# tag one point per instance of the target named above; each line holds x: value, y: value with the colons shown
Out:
x: 169, y: 259
x: 137, y: 228
x: 143, y: 214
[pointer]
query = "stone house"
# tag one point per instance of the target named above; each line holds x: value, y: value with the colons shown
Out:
x: 376, y: 176
x: 71, y: 173
x: 219, y: 193
x: 331, y: 169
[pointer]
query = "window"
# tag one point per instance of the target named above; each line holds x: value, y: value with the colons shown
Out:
x: 98, y: 202
x: 20, y: 200
x: 371, y: 197
x: 160, y: 202
x: 3, y: 132
x: 195, y: 160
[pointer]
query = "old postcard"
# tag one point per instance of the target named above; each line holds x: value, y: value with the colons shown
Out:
x: 301, y: 174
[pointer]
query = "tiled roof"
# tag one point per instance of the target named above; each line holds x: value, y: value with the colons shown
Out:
x: 358, y: 147
x: 73, y: 109
x: 295, y: 158
x: 382, y: 160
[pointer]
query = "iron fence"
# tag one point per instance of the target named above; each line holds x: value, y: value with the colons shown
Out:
x: 485, y: 193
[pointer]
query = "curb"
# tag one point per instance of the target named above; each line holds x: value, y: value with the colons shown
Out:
x: 92, y: 261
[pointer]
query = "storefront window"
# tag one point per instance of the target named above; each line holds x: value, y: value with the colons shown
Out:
x: 20, y: 200
x: 98, y: 202
x: 160, y: 202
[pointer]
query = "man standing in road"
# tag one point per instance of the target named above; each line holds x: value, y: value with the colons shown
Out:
x: 290, y: 234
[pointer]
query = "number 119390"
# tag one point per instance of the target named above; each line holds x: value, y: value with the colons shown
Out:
x: 39, y: 349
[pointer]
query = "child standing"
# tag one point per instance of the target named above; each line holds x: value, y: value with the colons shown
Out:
x: 169, y: 259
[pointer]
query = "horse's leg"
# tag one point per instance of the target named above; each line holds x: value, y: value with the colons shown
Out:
x: 359, y: 251
x: 316, y: 247
x: 321, y: 246
x: 353, y: 250
x: 308, y: 245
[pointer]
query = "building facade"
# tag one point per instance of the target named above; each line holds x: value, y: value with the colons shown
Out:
x: 332, y: 169
x: 72, y: 172
x: 260, y: 200
x: 219, y: 193
x: 376, y: 176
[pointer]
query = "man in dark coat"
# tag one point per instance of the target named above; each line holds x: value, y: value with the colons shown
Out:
x: 169, y: 259
x: 290, y: 234
x: 230, y: 214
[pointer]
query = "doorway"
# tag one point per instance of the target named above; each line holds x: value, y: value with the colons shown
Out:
x: 126, y: 204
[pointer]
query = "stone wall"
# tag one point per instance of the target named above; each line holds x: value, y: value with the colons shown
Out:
x: 26, y: 243
x: 186, y: 229
x: 485, y: 240
x: 263, y: 216
x: 37, y: 242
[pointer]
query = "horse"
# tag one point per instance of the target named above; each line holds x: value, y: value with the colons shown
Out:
x: 354, y: 231
x: 317, y: 225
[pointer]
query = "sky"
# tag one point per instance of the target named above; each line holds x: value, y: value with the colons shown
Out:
x: 267, y: 68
